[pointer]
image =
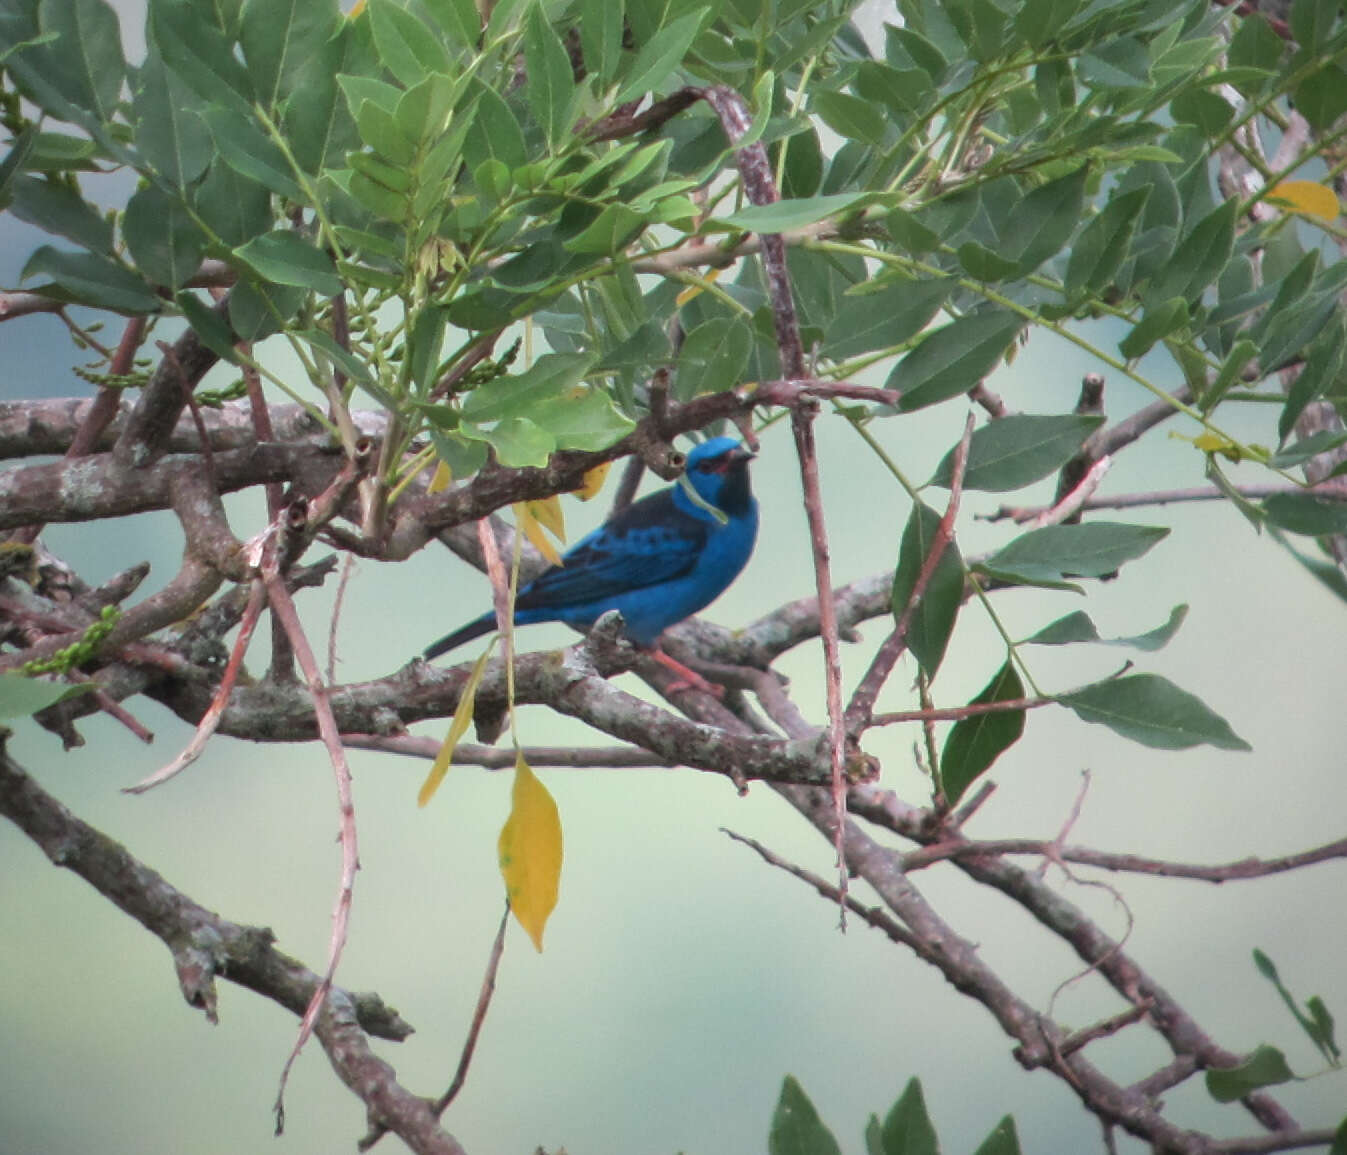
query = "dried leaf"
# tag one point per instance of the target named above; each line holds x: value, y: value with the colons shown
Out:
x: 457, y: 728
x: 1306, y: 197
x: 533, y: 517
x: 440, y: 479
x: 531, y: 852
x: 593, y: 482
x: 693, y: 290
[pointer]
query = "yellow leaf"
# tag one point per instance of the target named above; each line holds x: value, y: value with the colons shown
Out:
x: 532, y: 516
x: 1212, y: 443
x: 440, y: 479
x: 1306, y: 197
x: 530, y: 852
x: 356, y: 8
x: 593, y: 481
x: 457, y: 728
x: 692, y: 290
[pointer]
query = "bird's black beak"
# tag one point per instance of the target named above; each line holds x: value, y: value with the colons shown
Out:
x: 740, y: 453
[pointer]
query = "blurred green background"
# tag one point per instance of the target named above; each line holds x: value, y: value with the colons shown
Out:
x: 682, y: 978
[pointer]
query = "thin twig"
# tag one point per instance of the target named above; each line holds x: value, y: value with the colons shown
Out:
x: 210, y: 720
x: 859, y: 715
x: 379, y: 1130
x: 283, y: 607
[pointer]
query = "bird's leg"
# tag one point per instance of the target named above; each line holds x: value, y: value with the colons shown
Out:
x: 688, y: 679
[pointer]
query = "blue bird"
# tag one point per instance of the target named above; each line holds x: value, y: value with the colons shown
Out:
x: 658, y: 561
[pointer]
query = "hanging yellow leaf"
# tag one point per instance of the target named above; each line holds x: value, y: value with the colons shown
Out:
x: 533, y: 516
x: 593, y: 481
x: 440, y: 479
x: 692, y: 290
x: 1306, y: 197
x: 457, y: 728
x: 530, y: 852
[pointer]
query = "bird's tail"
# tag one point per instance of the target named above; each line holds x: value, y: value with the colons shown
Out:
x: 474, y: 629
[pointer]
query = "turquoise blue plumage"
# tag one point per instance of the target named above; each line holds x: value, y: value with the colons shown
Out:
x: 660, y: 560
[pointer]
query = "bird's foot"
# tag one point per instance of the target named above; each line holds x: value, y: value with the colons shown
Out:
x: 688, y: 679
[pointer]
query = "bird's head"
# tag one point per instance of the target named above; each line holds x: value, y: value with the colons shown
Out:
x: 718, y: 471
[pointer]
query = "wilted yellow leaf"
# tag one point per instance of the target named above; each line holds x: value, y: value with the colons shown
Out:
x: 593, y: 481
x: 1213, y: 443
x: 457, y: 728
x: 440, y: 479
x: 530, y: 852
x: 533, y: 516
x: 1306, y: 197
x: 692, y: 290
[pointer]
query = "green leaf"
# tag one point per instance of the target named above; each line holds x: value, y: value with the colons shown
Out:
x: 713, y: 357
x: 1308, y: 448
x: 1019, y: 449
x: 279, y: 37
x: 163, y: 239
x: 1339, y: 1140
x: 783, y: 216
x: 462, y: 456
x: 85, y: 63
x: 897, y: 311
x: 660, y: 55
x: 1307, y: 514
x: 1157, y: 323
x: 1153, y: 711
x: 494, y: 132
x: 15, y: 160
x: 907, y: 1128
x: 932, y: 621
x: 1266, y: 1067
x: 1094, y: 549
x: 953, y: 359
x: 55, y: 207
x: 457, y: 17
x: 551, y: 86
x: 796, y: 1127
x: 1002, y: 1141
x: 975, y: 742
x: 1322, y: 96
x: 354, y: 367
x: 169, y: 134
x: 406, y: 44
x: 90, y: 279
x: 197, y: 53
x: 285, y: 258
x: 613, y: 229
x: 316, y: 120
x: 21, y: 696
x: 248, y: 151
x: 1102, y: 245
x: 1317, y: 1023
x: 1040, y: 224
x: 850, y: 116
x: 601, y: 36
x: 210, y: 326
x: 518, y: 442
x: 985, y: 264
x: 550, y: 376
x: 1077, y: 627
x: 1201, y: 255
x: 233, y: 206
x: 583, y: 419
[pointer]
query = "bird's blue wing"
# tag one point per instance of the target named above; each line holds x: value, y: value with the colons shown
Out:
x: 650, y: 542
